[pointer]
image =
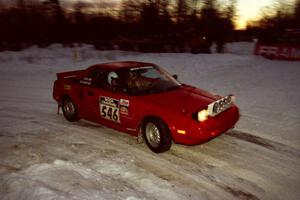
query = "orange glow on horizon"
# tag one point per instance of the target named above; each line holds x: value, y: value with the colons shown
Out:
x: 247, y: 10
x: 251, y: 10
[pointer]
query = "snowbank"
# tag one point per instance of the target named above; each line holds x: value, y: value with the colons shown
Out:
x: 42, y: 156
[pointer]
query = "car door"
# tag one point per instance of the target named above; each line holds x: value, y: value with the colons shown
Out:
x: 105, y: 104
x: 85, y: 96
x: 116, y: 108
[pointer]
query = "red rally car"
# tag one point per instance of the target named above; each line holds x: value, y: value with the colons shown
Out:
x: 144, y: 100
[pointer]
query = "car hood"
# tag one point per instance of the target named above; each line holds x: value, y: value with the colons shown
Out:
x: 185, y: 99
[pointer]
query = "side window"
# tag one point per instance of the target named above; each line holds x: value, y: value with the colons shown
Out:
x: 86, y: 80
x: 99, y: 78
x: 96, y: 78
x: 108, y: 80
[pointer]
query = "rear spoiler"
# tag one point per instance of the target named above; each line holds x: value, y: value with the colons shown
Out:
x: 69, y: 74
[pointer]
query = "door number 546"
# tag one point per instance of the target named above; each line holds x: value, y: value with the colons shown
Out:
x: 110, y: 113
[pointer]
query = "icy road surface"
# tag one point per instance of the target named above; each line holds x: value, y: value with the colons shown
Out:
x: 42, y: 156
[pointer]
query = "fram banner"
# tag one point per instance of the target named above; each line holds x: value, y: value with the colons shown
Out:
x: 281, y: 51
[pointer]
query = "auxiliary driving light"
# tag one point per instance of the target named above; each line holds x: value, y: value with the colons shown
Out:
x: 181, y: 132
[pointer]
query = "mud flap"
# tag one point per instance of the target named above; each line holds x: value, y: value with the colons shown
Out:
x: 140, y: 138
x: 58, y: 108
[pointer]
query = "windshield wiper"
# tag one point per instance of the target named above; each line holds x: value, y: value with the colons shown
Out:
x: 153, y: 91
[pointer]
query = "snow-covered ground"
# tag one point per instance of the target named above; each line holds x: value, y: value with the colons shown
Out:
x: 42, y: 156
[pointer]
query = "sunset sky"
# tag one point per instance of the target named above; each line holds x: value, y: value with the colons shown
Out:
x: 246, y: 9
x: 251, y: 10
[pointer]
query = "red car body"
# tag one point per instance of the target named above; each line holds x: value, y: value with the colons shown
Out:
x: 174, y: 107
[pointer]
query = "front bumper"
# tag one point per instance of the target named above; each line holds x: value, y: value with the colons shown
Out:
x: 200, y: 132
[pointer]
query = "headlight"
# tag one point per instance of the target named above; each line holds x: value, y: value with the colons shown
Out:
x: 202, y: 115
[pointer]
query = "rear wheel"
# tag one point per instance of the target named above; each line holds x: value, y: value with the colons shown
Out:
x: 70, y: 110
x: 157, y: 135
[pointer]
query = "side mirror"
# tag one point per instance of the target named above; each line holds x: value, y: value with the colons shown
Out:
x: 175, y: 76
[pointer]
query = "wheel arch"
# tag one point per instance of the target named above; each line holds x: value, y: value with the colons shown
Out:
x: 163, y: 133
x: 149, y: 117
x: 63, y: 97
x: 61, y: 100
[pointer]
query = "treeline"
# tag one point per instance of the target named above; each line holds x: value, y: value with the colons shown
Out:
x: 279, y: 22
x: 145, y: 25
x: 142, y: 25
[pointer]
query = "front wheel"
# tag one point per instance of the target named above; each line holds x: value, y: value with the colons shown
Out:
x: 157, y: 135
x: 69, y: 110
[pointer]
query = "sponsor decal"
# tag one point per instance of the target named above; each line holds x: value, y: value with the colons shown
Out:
x: 280, y: 52
x: 109, y: 108
x: 67, y: 87
x: 268, y: 50
x: 124, y: 102
x: 86, y: 81
x: 124, y: 110
x: 124, y: 106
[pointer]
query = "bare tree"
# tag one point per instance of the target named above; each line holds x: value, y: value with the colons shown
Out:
x: 297, y: 14
x: 130, y: 10
x: 181, y: 10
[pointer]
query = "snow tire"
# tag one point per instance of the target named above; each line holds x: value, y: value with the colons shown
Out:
x: 69, y: 110
x: 157, y: 135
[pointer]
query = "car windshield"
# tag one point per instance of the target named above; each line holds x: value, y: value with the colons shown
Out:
x: 147, y: 80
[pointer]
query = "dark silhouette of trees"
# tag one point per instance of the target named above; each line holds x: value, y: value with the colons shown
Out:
x: 130, y: 10
x: 181, y: 11
x: 276, y: 21
x: 297, y: 14
x: 161, y: 25
x: 218, y: 26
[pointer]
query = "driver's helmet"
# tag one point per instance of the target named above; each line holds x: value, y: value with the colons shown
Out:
x: 111, y: 76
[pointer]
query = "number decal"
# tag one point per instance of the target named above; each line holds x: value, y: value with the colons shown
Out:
x: 109, y: 112
x: 116, y: 115
x: 103, y: 111
x: 109, y: 108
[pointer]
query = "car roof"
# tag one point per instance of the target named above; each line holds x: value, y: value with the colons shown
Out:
x: 121, y: 64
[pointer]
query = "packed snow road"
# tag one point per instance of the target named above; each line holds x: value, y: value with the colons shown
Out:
x: 42, y: 156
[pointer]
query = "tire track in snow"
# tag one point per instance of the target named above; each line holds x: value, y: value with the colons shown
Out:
x: 169, y: 175
x: 187, y: 167
x: 269, y: 144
